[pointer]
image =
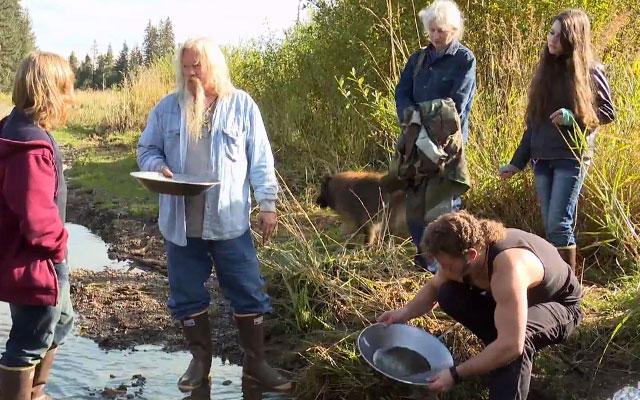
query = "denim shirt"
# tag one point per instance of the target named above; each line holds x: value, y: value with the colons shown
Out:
x: 240, y: 157
x: 451, y: 75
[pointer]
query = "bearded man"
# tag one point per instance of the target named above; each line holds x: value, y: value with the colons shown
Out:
x: 208, y: 127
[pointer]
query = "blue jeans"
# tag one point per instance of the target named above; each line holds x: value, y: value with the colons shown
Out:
x: 558, y: 184
x: 416, y: 229
x: 36, y: 329
x: 237, y: 269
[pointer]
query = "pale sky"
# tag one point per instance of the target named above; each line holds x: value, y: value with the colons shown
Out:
x: 61, y: 26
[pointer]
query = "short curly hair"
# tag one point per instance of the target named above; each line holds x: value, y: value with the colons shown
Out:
x: 454, y: 233
x: 445, y: 13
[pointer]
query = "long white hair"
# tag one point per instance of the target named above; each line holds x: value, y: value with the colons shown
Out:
x: 213, y: 62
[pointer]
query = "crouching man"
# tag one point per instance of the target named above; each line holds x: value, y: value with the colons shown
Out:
x: 511, y: 288
x: 208, y: 127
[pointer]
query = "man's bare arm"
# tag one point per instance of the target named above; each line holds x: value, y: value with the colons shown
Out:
x: 509, y: 285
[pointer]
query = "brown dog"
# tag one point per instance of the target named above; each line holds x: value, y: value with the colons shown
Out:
x: 364, y: 207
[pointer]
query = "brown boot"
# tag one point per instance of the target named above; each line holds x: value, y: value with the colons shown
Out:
x: 254, y: 364
x: 568, y: 254
x: 16, y: 384
x: 198, y: 334
x: 41, y: 376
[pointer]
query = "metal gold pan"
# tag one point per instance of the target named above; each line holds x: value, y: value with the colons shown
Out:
x: 179, y: 185
x: 379, y: 344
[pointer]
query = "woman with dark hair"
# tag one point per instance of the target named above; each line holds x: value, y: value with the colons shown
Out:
x: 569, y: 98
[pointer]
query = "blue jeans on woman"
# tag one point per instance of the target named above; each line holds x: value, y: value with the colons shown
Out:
x: 36, y: 329
x: 558, y: 184
x: 237, y: 269
x: 416, y: 229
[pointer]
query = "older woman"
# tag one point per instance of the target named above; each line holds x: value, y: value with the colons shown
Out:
x: 445, y: 68
x: 34, y: 276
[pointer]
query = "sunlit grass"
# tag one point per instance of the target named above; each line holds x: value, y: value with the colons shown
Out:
x: 5, y: 104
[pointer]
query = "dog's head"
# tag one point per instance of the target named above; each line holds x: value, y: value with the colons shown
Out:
x: 324, y: 196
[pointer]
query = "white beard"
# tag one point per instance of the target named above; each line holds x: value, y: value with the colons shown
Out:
x: 194, y: 106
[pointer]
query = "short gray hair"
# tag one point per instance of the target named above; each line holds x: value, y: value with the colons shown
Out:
x: 443, y: 13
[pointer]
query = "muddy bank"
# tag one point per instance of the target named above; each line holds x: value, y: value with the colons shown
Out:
x: 121, y: 309
x: 138, y: 240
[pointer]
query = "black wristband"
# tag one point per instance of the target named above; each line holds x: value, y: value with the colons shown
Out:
x: 454, y: 374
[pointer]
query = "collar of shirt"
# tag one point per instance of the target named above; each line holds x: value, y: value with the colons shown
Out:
x: 450, y: 50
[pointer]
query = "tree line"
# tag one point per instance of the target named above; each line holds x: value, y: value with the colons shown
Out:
x: 16, y: 40
x: 103, y: 71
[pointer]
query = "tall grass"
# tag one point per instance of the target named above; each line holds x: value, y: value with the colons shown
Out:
x: 5, y: 104
x: 125, y: 108
x: 326, y: 94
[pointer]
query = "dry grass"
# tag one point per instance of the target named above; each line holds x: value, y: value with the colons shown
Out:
x: 126, y: 108
x: 5, y: 104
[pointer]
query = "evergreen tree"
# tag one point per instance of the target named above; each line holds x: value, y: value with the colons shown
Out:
x: 94, y: 53
x: 167, y: 41
x: 16, y: 40
x: 110, y: 76
x: 84, y: 77
x: 136, y: 59
x: 151, y: 44
x: 99, y: 79
x: 74, y: 63
x: 122, y: 64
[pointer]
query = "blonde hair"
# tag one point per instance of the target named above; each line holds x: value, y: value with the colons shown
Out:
x: 212, y: 59
x: 443, y: 13
x: 43, y: 88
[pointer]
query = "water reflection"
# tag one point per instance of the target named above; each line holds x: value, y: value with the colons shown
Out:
x: 88, y: 251
x: 83, y: 371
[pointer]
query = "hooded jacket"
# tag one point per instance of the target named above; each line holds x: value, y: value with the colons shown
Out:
x: 32, y: 203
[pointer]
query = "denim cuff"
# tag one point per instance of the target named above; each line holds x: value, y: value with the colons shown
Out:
x: 268, y: 205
